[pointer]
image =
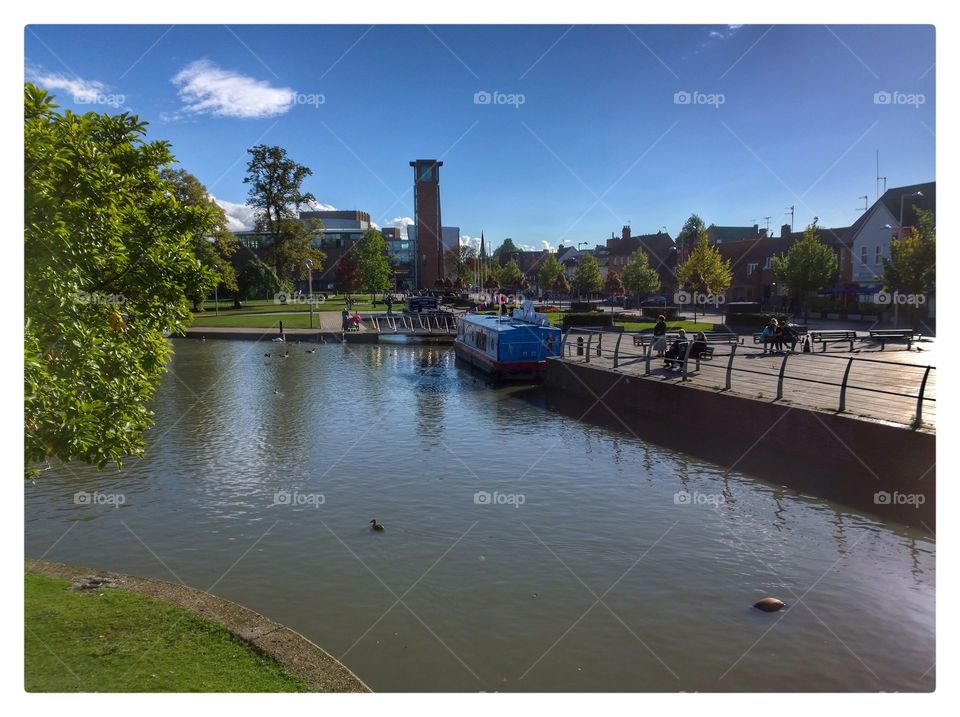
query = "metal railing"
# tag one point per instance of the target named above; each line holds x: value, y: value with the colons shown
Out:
x: 594, y: 344
x: 414, y: 323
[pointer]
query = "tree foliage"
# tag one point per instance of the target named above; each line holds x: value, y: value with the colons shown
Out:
x: 613, y: 285
x: 561, y: 284
x: 258, y: 280
x: 507, y: 247
x: 511, y: 277
x: 460, y: 261
x: 705, y: 270
x: 548, y: 272
x: 347, y: 277
x: 912, y: 265
x: 690, y: 233
x: 639, y: 276
x: 586, y: 277
x: 109, y: 259
x: 213, y: 248
x: 374, y: 263
x: 808, y: 266
x: 276, y: 194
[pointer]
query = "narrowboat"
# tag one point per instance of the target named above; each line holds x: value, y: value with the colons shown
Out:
x: 508, y: 347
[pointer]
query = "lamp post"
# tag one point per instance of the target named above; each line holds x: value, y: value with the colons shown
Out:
x: 309, y: 265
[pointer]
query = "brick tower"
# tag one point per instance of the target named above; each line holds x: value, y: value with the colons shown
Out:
x: 426, y: 188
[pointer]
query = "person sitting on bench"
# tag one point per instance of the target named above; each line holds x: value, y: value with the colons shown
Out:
x: 766, y: 336
x: 699, y: 345
x: 790, y: 336
x: 676, y: 351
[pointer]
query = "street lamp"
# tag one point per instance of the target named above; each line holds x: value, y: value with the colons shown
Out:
x: 309, y: 265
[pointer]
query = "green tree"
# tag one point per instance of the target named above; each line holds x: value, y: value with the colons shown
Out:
x: 214, y: 247
x: 511, y: 277
x: 586, y: 278
x: 276, y: 194
x: 705, y: 271
x: 613, y: 285
x: 374, y: 264
x: 258, y: 280
x: 690, y: 234
x: 808, y: 266
x: 508, y: 248
x: 912, y: 267
x: 108, y: 264
x: 547, y: 274
x: 639, y: 276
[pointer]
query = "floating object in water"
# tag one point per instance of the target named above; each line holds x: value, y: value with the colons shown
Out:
x: 311, y: 351
x: 376, y: 527
x: 278, y: 338
x: 769, y: 604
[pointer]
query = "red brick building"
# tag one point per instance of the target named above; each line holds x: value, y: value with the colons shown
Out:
x: 429, y: 227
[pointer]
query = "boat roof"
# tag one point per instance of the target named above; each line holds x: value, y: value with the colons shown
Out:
x: 502, y: 323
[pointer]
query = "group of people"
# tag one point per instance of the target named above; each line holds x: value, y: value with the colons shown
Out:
x: 775, y: 335
x: 350, y: 322
x: 678, y: 348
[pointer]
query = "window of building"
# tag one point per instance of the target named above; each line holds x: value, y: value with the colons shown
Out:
x: 752, y: 267
x: 863, y: 255
x: 768, y: 263
x: 876, y: 259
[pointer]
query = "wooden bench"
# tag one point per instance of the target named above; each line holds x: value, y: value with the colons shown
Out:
x: 884, y: 335
x: 721, y: 337
x: 705, y: 355
x: 833, y: 337
x: 646, y: 339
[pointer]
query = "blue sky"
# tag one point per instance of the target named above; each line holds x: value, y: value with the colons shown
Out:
x: 587, y: 128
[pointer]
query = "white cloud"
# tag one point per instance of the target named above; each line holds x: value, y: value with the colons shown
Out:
x: 206, y: 89
x: 318, y: 207
x: 239, y: 216
x: 83, y: 92
x: 401, y: 223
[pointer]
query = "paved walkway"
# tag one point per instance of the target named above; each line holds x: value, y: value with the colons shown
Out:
x: 881, y: 385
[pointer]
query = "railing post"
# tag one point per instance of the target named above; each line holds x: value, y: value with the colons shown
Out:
x: 686, y: 357
x: 563, y: 342
x: 923, y: 387
x: 843, y: 386
x: 647, y: 353
x: 733, y: 351
x: 589, y: 341
x: 616, y: 351
x: 783, y: 368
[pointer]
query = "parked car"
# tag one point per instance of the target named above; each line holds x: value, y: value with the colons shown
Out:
x: 613, y: 301
x: 654, y: 301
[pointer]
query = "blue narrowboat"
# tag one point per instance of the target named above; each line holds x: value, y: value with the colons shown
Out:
x: 508, y: 347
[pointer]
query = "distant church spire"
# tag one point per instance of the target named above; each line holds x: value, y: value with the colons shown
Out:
x: 483, y: 251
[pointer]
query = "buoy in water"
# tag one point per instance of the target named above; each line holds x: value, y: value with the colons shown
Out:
x: 769, y: 604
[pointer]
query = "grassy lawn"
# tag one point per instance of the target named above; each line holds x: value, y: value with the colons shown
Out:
x: 299, y: 320
x: 107, y: 640
x: 361, y: 303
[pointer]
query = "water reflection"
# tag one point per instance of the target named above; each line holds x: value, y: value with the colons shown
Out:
x: 405, y: 435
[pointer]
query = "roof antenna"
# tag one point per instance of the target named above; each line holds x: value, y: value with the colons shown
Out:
x: 790, y: 209
x: 864, y: 198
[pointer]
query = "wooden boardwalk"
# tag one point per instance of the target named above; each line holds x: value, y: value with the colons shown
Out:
x: 880, y: 385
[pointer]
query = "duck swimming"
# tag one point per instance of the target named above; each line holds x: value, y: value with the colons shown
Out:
x: 376, y: 527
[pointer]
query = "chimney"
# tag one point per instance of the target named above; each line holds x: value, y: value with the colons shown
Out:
x: 785, y: 231
x: 756, y: 230
x: 625, y: 233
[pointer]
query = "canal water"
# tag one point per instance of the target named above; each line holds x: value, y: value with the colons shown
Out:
x: 524, y: 550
